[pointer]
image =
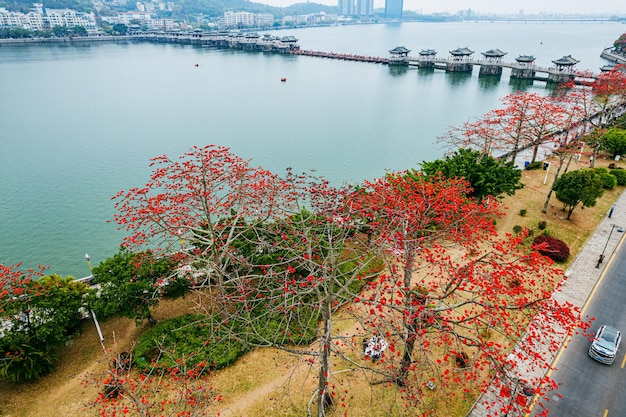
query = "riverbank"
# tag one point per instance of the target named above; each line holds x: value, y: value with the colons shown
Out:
x: 65, y: 40
x: 610, y: 55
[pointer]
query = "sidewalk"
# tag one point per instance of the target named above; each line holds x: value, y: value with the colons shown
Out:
x: 581, y: 278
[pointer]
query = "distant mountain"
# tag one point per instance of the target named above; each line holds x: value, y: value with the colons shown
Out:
x: 211, y: 8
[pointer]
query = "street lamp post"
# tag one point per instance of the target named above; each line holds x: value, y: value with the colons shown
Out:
x: 546, y: 167
x: 601, y: 258
x: 93, y: 314
x: 88, y: 259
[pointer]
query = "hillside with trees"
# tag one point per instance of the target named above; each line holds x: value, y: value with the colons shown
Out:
x: 210, y: 8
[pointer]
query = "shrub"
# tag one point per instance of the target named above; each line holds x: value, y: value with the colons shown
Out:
x: 620, y: 176
x: 608, y: 180
x: 27, y: 363
x: 187, y: 337
x: 553, y: 248
x: 193, y: 340
x: 534, y: 165
x: 523, y: 212
x: 517, y: 229
x: 542, y: 225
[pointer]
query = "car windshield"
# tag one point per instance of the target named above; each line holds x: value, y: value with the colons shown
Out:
x: 607, y: 339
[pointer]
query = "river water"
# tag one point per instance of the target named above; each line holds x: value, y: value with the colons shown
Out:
x: 80, y: 122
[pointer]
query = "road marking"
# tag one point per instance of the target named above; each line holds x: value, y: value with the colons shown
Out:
x: 624, y: 361
x: 582, y: 311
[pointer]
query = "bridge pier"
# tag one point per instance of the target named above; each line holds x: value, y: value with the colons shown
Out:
x: 459, y: 67
x: 559, y: 77
x: 486, y: 69
x: 523, y: 73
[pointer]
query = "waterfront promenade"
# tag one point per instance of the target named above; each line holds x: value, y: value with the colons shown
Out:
x: 582, y: 277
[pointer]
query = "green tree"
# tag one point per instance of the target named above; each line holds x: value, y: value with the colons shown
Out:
x: 40, y: 315
x: 614, y: 141
x: 79, y: 31
x: 487, y: 175
x: 120, y: 29
x: 131, y: 283
x: 60, y: 31
x: 576, y: 187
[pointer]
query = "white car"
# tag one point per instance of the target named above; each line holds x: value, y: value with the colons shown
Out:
x: 605, y: 345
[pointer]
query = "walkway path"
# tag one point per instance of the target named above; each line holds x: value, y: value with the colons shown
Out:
x: 581, y: 279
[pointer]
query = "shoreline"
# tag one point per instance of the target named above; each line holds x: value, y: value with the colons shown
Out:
x: 610, y: 55
x: 67, y: 40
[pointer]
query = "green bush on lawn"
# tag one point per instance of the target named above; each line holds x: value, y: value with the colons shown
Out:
x: 188, y: 340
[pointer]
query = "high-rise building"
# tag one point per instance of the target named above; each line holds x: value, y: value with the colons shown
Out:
x: 393, y: 9
x: 365, y: 7
x: 346, y: 7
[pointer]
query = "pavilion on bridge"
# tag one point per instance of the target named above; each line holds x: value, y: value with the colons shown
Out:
x: 399, y: 56
x: 460, y: 61
x: 491, y: 63
x: 564, y: 70
x: 525, y: 68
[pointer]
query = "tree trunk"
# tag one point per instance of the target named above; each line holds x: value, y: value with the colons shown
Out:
x: 596, y: 150
x: 556, y: 177
x: 569, y: 161
x: 410, y: 321
x: 407, y: 355
x: 324, y: 399
x: 535, y: 151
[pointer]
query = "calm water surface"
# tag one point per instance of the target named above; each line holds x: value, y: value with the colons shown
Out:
x: 79, y: 123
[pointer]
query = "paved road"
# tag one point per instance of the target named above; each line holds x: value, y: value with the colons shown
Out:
x: 589, y: 388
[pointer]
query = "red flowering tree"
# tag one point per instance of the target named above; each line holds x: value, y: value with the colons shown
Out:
x: 409, y: 212
x: 574, y: 109
x: 456, y: 298
x: 162, y: 391
x: 608, y: 95
x: 478, y: 135
x: 526, y: 120
x: 199, y: 209
x: 282, y: 255
x: 272, y: 251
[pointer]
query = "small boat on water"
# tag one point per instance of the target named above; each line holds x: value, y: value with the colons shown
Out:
x: 283, y: 79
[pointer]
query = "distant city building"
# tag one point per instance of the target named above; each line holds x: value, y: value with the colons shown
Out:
x: 365, y: 7
x: 245, y: 19
x: 41, y: 18
x: 356, y: 7
x: 393, y: 9
x: 346, y: 7
x: 264, y: 20
x: 315, y: 18
x: 126, y: 18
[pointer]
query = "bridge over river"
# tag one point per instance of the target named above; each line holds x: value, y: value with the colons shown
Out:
x: 459, y: 61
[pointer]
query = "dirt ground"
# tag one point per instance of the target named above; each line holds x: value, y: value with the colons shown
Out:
x: 266, y: 381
